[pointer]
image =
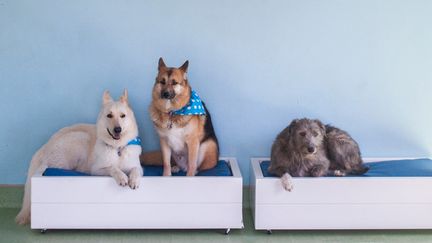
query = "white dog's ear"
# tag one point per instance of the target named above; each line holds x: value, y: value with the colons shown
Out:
x: 124, y: 97
x: 106, y: 97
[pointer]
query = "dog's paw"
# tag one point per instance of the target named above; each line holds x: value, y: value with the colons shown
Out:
x: 134, y: 182
x: 287, y: 182
x: 175, y: 169
x: 191, y: 172
x: 339, y: 173
x: 121, y: 179
x: 317, y: 171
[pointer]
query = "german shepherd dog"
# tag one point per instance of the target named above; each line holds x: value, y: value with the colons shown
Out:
x: 101, y: 149
x: 188, y: 141
x: 309, y: 148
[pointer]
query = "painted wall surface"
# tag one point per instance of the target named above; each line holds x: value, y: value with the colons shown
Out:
x: 362, y: 65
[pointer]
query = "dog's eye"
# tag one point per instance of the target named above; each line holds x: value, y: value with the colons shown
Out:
x: 162, y: 82
x: 174, y: 82
x: 302, y: 134
x: 110, y: 115
x: 122, y: 115
x: 315, y: 133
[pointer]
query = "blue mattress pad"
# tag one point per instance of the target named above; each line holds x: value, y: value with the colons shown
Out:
x: 221, y: 169
x: 393, y: 168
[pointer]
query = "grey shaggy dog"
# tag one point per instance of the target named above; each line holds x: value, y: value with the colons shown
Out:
x: 309, y: 148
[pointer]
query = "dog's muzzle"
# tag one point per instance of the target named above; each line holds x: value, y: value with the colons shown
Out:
x: 167, y: 95
x: 311, y: 149
x: 116, y: 133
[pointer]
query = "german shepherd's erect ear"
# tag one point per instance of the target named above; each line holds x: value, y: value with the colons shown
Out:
x: 161, y: 64
x: 184, y: 67
x: 106, y: 97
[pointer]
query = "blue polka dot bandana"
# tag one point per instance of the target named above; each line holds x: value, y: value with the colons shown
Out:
x: 194, y: 107
x: 135, y: 141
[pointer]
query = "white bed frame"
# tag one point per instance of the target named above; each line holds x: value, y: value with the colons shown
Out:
x: 97, y: 202
x: 341, y: 202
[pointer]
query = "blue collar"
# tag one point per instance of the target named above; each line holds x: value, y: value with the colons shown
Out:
x: 135, y: 141
x: 195, y: 107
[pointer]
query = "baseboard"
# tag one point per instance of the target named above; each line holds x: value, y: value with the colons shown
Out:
x: 11, y: 185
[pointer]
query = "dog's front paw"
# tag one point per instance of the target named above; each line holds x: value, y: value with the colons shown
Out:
x: 121, y: 179
x: 317, y: 171
x: 287, y: 182
x: 134, y: 182
x: 167, y: 171
x: 191, y: 172
x: 175, y: 169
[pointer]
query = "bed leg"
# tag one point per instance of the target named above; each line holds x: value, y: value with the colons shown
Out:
x: 43, y: 231
x: 269, y: 231
x: 227, y: 231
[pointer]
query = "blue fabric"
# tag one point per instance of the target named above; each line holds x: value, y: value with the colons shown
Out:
x: 135, y: 141
x: 394, y: 168
x: 62, y: 172
x: 221, y: 169
x: 194, y: 107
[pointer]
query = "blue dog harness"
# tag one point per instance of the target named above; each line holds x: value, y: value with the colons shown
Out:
x: 135, y: 141
x: 195, y: 107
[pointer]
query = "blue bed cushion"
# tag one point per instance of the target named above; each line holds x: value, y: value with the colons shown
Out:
x: 394, y: 168
x: 222, y: 169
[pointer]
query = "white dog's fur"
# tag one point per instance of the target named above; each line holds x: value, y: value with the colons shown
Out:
x: 92, y: 149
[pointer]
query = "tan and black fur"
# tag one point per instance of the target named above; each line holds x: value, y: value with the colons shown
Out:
x: 188, y: 143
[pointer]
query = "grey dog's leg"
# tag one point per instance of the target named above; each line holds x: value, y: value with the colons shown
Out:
x: 287, y: 182
x: 318, y: 170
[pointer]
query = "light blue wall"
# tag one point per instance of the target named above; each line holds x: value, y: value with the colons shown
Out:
x: 363, y: 65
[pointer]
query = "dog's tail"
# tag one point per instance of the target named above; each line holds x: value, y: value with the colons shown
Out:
x: 151, y: 158
x: 23, y: 217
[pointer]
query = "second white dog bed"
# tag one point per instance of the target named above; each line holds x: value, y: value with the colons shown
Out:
x: 377, y: 201
x: 97, y: 202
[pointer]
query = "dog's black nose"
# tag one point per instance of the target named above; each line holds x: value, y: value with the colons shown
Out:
x: 165, y: 95
x: 311, y: 149
x: 117, y: 130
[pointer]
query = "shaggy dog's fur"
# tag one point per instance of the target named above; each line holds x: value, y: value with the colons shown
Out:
x: 343, y: 153
x: 309, y: 148
x: 99, y: 149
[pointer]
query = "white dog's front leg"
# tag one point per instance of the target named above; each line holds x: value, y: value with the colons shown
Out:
x: 287, y: 182
x: 120, y: 177
x: 135, y: 177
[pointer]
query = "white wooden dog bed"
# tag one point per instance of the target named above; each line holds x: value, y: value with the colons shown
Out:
x: 341, y: 202
x: 97, y: 202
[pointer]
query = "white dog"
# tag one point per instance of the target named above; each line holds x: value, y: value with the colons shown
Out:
x: 111, y: 147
